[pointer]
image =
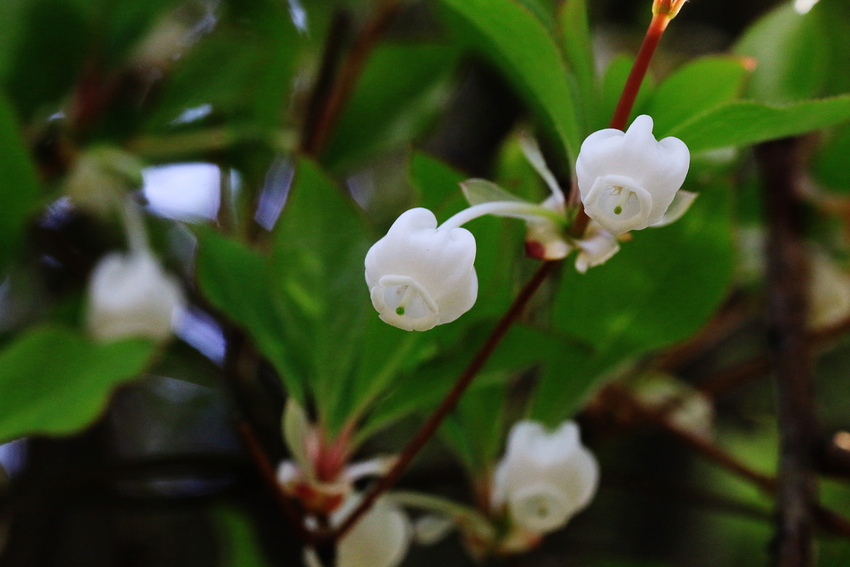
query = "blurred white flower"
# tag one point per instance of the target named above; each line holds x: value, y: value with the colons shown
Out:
x: 629, y: 180
x: 829, y: 292
x: 131, y: 295
x: 380, y: 539
x: 420, y: 276
x: 679, y: 402
x: 544, y: 478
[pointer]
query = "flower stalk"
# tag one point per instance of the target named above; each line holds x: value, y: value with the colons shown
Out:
x: 647, y: 50
x: 427, y: 430
x: 663, y: 12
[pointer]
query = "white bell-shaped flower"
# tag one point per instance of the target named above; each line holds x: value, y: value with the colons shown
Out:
x: 629, y: 180
x: 131, y: 295
x: 420, y: 276
x: 379, y: 539
x: 544, y: 478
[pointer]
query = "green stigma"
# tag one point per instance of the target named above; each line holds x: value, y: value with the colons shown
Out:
x: 618, y: 209
x: 399, y: 310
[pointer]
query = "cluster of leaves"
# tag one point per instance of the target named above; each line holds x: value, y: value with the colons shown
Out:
x: 297, y: 291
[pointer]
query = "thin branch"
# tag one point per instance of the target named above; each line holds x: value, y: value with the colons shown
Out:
x: 330, y: 97
x: 703, y: 499
x: 247, y: 432
x: 427, y: 430
x: 729, y: 320
x: 287, y: 505
x: 639, y: 413
x: 622, y: 399
x: 787, y: 285
x: 759, y: 365
x: 319, y: 101
x: 735, y: 375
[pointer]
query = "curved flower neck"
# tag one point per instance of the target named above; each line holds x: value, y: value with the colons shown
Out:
x: 137, y: 236
x: 515, y: 209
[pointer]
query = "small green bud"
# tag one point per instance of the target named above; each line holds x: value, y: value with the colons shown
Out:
x: 100, y: 178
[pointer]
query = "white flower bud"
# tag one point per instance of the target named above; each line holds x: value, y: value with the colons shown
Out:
x: 131, y: 295
x: 628, y: 180
x: 380, y: 539
x: 597, y: 247
x: 420, y: 276
x: 545, y: 238
x: 544, y: 478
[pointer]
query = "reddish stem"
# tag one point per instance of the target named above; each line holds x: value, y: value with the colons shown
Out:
x: 341, y: 90
x: 287, y: 506
x: 630, y: 90
x: 450, y: 401
x: 790, y: 352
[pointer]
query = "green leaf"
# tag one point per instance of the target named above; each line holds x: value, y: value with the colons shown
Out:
x: 742, y: 123
x: 578, y: 48
x: 830, y: 162
x: 55, y: 381
x: 397, y: 95
x: 235, y: 279
x: 565, y: 381
x: 128, y: 23
x: 50, y: 49
x: 480, y: 191
x: 19, y: 185
x: 659, y: 289
x: 308, y: 308
x: 422, y: 388
x: 475, y: 429
x: 320, y: 243
x: 239, y: 542
x: 834, y: 16
x: 612, y: 87
x: 542, y: 10
x: 243, y: 70
x: 437, y: 184
x: 387, y: 352
x: 525, y: 51
x: 12, y: 12
x: 791, y: 54
x: 704, y: 83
